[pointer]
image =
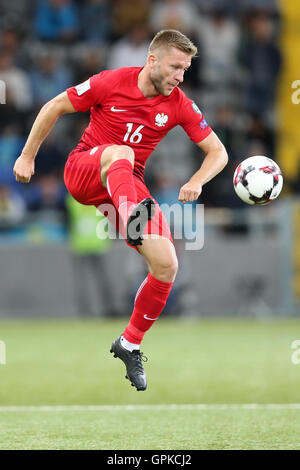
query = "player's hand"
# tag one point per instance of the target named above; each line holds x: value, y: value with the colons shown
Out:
x: 23, y: 169
x: 189, y: 192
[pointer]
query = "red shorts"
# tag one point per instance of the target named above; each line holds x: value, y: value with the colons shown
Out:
x: 82, y: 177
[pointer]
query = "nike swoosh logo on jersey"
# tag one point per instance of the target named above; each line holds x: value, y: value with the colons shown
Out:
x: 148, y: 318
x: 117, y: 110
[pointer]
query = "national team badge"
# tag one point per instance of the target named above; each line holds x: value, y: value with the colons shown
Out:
x: 161, y: 119
x: 195, y: 108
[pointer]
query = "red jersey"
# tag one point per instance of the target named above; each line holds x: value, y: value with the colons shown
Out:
x: 122, y: 115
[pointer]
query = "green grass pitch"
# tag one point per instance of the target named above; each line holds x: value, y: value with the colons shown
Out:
x: 217, y: 362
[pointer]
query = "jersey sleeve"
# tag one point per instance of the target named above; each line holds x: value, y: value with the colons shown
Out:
x: 192, y: 120
x: 89, y: 93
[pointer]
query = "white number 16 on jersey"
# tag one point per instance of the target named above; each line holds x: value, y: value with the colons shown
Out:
x: 136, y: 136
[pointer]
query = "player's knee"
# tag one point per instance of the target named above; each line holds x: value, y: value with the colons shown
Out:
x: 123, y: 151
x: 117, y: 152
x: 166, y: 269
x: 112, y: 154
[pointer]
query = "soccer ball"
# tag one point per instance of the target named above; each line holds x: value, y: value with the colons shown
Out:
x: 257, y: 180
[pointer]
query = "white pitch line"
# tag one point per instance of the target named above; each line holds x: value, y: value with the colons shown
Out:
x: 166, y: 407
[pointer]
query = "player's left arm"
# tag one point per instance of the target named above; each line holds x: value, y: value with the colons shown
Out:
x: 215, y: 160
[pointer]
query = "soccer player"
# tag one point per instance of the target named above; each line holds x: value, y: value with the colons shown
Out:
x: 132, y: 109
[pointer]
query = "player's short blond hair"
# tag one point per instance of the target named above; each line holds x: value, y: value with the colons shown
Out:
x: 171, y: 37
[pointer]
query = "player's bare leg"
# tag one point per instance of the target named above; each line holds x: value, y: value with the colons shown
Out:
x: 149, y: 302
x: 161, y: 258
x: 117, y: 162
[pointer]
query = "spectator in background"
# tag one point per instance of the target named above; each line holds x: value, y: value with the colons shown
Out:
x: 229, y: 127
x: 48, y: 79
x: 12, y: 207
x: 219, y: 36
x: 51, y: 159
x: 11, y: 40
x: 244, y: 5
x: 260, y: 56
x: 48, y: 192
x: 12, y: 10
x: 88, y: 63
x: 56, y: 20
x: 175, y: 14
x: 168, y: 156
x: 126, y: 13
x: 131, y: 50
x: 95, y: 21
x: 89, y: 243
x: 207, y: 7
x: 11, y: 143
x: 17, y: 82
x: 259, y: 134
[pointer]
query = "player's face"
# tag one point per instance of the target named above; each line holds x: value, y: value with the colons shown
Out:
x: 167, y: 69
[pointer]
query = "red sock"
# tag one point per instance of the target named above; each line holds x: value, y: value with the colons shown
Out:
x: 120, y: 186
x: 150, y: 300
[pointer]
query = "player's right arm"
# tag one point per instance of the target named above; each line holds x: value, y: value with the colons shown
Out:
x: 45, y: 120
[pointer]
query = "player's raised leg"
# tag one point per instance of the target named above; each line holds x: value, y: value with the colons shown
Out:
x: 149, y: 302
x: 117, y: 162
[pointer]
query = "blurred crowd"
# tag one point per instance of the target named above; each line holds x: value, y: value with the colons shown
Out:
x: 49, y: 45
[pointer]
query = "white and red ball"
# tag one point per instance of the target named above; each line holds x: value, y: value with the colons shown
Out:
x: 258, y: 180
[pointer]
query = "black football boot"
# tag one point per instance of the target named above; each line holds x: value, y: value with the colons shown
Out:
x: 133, y: 362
